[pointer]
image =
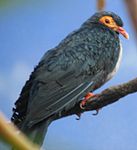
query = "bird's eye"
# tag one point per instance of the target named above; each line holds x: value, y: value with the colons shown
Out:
x: 107, y: 21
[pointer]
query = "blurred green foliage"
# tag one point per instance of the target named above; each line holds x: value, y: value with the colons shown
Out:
x: 13, y: 4
x: 9, y: 3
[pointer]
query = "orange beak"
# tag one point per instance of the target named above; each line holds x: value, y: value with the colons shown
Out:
x: 123, y: 32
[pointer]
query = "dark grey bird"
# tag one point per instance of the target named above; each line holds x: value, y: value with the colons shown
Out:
x: 82, y: 62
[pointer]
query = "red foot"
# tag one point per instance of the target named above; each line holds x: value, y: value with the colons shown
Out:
x: 86, y: 98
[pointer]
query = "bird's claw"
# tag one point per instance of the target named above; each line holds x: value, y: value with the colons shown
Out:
x: 86, y: 98
x: 82, y: 105
x: 96, y: 113
x: 79, y: 116
x: 84, y: 101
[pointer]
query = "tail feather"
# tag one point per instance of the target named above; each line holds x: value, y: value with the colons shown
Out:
x: 37, y: 133
x: 20, y: 109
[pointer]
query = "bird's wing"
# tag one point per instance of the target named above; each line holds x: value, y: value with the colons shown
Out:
x: 61, y: 78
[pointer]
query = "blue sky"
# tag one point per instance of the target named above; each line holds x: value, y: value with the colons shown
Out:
x: 27, y: 30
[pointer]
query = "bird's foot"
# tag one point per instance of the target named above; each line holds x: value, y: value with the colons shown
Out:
x: 84, y: 101
x: 86, y: 98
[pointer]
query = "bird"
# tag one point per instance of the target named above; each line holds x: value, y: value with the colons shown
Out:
x: 81, y: 63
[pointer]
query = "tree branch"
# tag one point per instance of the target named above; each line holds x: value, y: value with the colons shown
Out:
x: 132, y: 8
x: 106, y: 97
x: 100, y: 5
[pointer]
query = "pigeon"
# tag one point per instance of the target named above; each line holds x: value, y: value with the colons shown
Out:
x: 81, y: 63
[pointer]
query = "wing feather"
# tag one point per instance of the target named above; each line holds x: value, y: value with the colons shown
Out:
x: 65, y: 73
x: 44, y: 110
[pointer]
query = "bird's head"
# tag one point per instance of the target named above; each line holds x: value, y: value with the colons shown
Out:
x: 110, y: 20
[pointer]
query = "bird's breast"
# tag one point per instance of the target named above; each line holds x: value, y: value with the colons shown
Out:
x: 114, y: 71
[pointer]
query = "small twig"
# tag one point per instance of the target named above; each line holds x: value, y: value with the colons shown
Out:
x: 11, y: 134
x: 132, y: 8
x: 100, y: 5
